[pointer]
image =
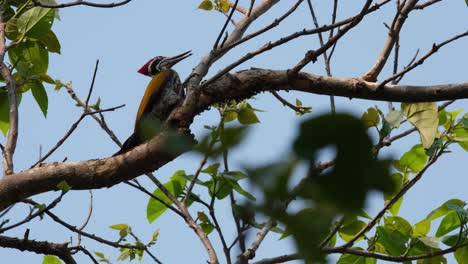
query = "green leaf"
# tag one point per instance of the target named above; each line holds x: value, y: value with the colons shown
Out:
x: 461, y: 255
x: 124, y: 254
x: 394, y: 118
x: 450, y: 222
x: 207, y: 227
x: 459, y: 209
x: 49, y: 259
x: 349, y: 229
x: 206, y: 5
x: 119, y: 227
x: 224, y: 5
x: 212, y: 169
x: 63, y: 186
x: 414, y: 159
x: 96, y: 105
x: 47, y: 79
x: 461, y: 136
x: 155, y: 236
x: 444, y: 209
x: 393, y: 242
x: 51, y: 42
x: 424, y: 116
x: 398, y: 225
x: 247, y: 116
x: 230, y: 116
x: 30, y: 58
x: 422, y: 228
x: 4, y: 112
x: 102, y: 257
x: 11, y: 29
x: 219, y: 188
x: 371, y: 117
x: 241, y: 191
x: 40, y: 95
x: 175, y: 186
x: 36, y: 22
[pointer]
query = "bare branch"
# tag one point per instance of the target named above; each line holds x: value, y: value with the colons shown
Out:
x: 426, y: 4
x: 238, y: 8
x: 81, y: 2
x: 283, y: 40
x: 312, y: 55
x: 100, y: 121
x: 249, y: 253
x: 12, y: 136
x: 81, y: 232
x: 299, y: 109
x: 432, y: 51
x: 279, y: 259
x: 39, y: 247
x: 215, y: 46
x: 92, y: 85
x: 36, y: 214
x: 393, y: 33
x: 71, y: 130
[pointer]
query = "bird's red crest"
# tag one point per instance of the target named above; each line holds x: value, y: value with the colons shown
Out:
x: 144, y: 69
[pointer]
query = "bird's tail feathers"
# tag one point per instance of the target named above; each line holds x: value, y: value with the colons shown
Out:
x: 129, y: 144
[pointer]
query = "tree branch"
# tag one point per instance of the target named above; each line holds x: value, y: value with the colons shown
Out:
x: 40, y: 247
x: 12, y: 136
x: 99, y: 173
x: 81, y: 2
x: 393, y: 34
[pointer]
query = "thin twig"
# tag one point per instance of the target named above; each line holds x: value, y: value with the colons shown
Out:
x: 249, y: 253
x: 252, y: 3
x: 81, y: 2
x: 311, y: 56
x: 92, y: 85
x: 393, y: 33
x: 424, y: 5
x: 434, y: 49
x: 71, y: 130
x: 215, y: 46
x: 83, y: 233
x: 101, y: 121
x: 90, y: 212
x: 283, y: 40
x: 36, y: 214
x: 145, y: 191
x: 298, y: 109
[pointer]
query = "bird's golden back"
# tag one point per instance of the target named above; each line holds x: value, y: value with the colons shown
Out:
x: 157, y: 82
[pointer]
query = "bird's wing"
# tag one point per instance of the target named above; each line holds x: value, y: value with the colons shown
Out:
x: 152, y: 92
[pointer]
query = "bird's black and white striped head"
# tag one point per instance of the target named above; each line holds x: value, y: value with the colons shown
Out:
x: 160, y: 63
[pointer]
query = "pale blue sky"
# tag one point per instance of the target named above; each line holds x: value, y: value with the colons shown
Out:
x: 125, y: 38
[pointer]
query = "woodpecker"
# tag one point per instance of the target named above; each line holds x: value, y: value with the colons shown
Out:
x: 162, y: 95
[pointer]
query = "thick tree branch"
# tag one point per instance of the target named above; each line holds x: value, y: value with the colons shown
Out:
x: 40, y: 247
x: 99, y: 173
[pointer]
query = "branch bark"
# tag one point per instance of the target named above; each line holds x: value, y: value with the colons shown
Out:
x: 12, y: 136
x: 99, y: 173
x: 40, y: 247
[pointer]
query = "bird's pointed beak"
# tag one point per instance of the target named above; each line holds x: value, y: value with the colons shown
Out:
x: 171, y: 61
